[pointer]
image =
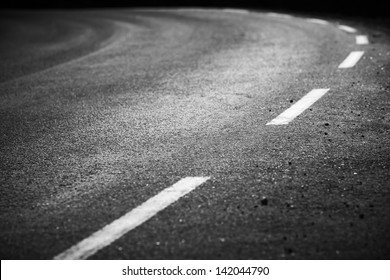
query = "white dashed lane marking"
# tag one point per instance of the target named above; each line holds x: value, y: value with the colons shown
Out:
x: 316, y: 20
x: 131, y: 220
x: 280, y: 15
x: 351, y: 59
x: 236, y: 11
x: 362, y: 40
x: 347, y: 28
x: 299, y: 107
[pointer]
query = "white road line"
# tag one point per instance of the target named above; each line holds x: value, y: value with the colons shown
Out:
x: 131, y: 220
x: 351, y: 59
x: 195, y: 10
x: 236, y: 11
x: 362, y: 40
x: 279, y: 15
x: 296, y: 109
x: 347, y: 28
x: 316, y: 20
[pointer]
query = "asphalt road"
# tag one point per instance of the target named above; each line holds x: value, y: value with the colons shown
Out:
x: 103, y: 110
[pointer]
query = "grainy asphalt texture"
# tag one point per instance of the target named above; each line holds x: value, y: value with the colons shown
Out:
x: 102, y: 110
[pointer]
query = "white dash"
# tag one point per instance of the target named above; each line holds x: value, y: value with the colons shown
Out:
x: 361, y: 40
x: 131, y: 220
x: 279, y: 15
x: 236, y: 11
x: 318, y: 21
x: 194, y: 10
x: 351, y: 59
x: 347, y: 28
x: 299, y: 107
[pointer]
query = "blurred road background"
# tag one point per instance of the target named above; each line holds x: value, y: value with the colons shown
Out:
x: 103, y: 109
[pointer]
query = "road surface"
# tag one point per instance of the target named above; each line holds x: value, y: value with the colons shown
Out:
x: 193, y: 134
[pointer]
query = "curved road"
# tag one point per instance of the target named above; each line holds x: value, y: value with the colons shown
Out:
x: 102, y: 111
